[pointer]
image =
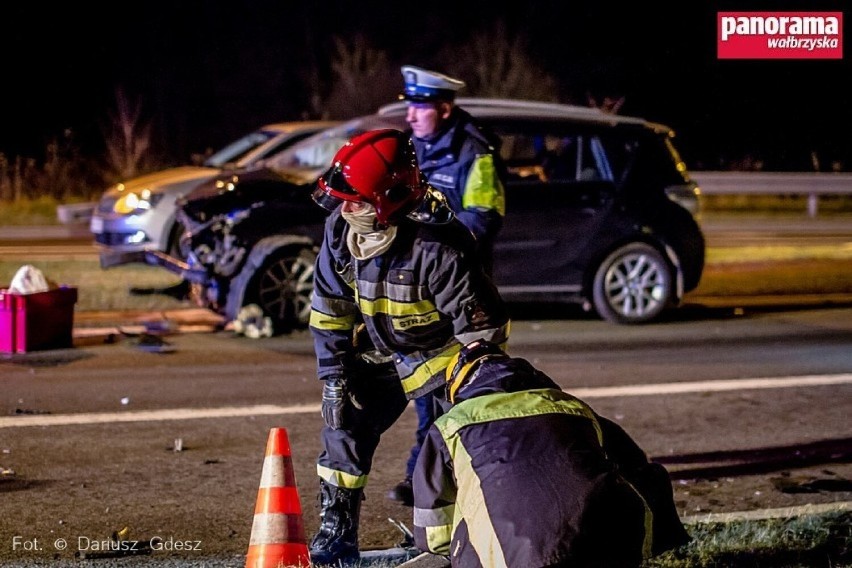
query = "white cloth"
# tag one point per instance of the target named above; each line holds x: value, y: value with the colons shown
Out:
x: 28, y: 280
x: 363, y: 240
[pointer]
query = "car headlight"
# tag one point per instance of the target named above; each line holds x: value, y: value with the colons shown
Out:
x: 687, y: 196
x: 136, y: 202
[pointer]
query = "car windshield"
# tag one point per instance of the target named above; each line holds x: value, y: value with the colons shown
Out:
x: 313, y: 155
x: 239, y: 148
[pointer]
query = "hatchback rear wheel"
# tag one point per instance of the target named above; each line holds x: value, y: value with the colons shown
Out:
x: 633, y: 284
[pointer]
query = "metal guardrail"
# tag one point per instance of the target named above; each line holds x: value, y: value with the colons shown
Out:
x: 812, y: 185
x: 71, y: 213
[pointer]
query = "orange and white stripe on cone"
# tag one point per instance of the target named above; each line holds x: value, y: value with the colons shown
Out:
x: 277, y: 533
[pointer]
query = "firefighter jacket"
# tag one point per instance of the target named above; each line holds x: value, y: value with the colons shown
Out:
x: 516, y: 474
x: 462, y: 163
x: 419, y: 301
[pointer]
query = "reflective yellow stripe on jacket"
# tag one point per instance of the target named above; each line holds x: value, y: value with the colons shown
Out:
x: 483, y: 188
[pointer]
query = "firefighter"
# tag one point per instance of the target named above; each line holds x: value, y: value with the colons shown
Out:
x: 518, y: 473
x: 397, y: 265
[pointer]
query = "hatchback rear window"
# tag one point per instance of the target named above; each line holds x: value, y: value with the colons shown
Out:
x: 555, y: 157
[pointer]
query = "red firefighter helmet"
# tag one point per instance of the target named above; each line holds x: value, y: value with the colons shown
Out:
x: 378, y: 167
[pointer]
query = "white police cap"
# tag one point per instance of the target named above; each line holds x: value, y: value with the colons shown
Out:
x: 424, y: 85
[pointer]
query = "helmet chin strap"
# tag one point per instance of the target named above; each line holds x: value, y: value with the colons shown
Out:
x: 433, y: 210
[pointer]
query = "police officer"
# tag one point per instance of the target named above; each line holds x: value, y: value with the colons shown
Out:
x: 519, y: 473
x: 461, y: 160
x: 395, y: 262
x: 457, y: 155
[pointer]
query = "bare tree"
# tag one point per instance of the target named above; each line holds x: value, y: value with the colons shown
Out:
x: 5, y: 179
x: 493, y: 63
x: 59, y: 163
x: 607, y: 103
x: 127, y: 137
x: 496, y: 64
x: 363, y: 79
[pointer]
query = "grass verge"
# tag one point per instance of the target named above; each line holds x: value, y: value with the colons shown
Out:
x: 40, y: 211
x: 809, y: 541
x: 822, y: 540
x: 99, y: 289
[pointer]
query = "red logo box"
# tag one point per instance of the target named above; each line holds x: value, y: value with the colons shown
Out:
x: 779, y: 35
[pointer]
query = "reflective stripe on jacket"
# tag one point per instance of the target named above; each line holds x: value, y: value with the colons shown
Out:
x: 419, y: 301
x: 515, y: 475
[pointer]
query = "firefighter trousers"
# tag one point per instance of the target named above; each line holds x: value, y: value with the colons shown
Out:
x: 347, y: 455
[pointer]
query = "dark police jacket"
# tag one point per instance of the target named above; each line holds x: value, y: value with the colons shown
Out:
x: 519, y: 473
x: 464, y: 164
x: 420, y: 301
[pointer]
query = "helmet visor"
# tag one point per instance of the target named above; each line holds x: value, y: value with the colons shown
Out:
x: 333, y: 188
x: 325, y: 200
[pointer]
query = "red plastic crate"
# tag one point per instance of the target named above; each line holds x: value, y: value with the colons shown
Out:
x: 33, y: 322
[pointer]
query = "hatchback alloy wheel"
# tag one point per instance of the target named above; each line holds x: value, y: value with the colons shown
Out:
x: 632, y: 285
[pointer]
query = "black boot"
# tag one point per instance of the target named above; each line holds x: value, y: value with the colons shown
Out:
x: 336, y: 541
x: 402, y: 493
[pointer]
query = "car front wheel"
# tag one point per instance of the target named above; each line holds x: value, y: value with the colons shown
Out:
x: 175, y: 248
x: 633, y: 284
x: 282, y: 288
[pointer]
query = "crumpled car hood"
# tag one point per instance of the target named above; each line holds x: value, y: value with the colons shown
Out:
x: 156, y: 181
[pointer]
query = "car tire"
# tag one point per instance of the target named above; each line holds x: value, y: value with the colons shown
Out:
x: 174, y: 248
x: 282, y: 287
x: 634, y: 284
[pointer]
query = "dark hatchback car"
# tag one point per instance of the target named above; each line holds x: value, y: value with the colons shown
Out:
x: 600, y: 211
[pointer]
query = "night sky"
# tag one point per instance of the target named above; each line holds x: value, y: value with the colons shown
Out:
x: 205, y: 72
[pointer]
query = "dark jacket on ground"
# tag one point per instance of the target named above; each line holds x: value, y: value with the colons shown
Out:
x: 519, y: 473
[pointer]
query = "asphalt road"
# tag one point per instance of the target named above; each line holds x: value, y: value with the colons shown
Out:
x: 748, y: 410
x: 746, y: 403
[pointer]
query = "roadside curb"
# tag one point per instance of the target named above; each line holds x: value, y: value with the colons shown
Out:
x: 763, y: 514
x: 45, y: 232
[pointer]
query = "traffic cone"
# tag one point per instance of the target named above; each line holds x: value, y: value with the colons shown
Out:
x: 277, y: 533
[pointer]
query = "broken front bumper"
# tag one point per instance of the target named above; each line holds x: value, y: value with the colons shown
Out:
x: 175, y: 265
x: 154, y: 258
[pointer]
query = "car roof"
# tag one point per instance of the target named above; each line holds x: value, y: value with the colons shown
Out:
x: 294, y: 126
x: 520, y: 108
x: 306, y: 157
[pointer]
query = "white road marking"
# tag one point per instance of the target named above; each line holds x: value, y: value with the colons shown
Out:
x: 153, y: 415
x: 269, y: 409
x: 713, y: 386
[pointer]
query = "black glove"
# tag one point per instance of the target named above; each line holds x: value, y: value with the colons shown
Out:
x: 334, y: 400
